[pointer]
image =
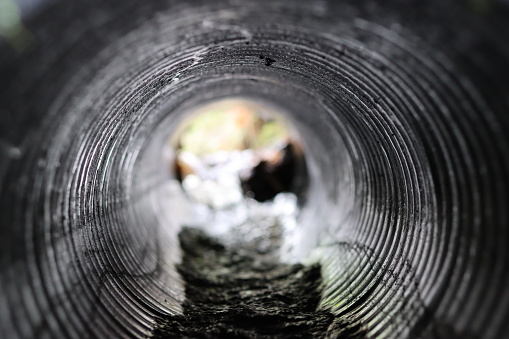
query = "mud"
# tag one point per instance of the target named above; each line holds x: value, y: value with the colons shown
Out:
x: 243, y: 292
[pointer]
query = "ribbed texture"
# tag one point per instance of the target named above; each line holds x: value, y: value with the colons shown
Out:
x: 403, y: 109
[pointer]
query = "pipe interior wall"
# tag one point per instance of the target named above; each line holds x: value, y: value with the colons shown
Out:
x: 402, y: 107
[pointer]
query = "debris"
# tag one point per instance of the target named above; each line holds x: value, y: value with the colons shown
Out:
x: 239, y: 292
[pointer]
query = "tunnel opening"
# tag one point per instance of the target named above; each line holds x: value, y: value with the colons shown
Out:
x: 235, y: 159
x: 243, y: 142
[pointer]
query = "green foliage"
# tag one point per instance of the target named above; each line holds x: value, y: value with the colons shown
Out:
x: 229, y: 129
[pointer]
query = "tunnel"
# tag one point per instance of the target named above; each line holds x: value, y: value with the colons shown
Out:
x: 402, y: 108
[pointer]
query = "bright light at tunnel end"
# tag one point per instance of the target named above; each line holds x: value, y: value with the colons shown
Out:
x: 237, y: 160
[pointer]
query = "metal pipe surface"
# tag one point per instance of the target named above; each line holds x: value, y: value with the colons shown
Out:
x: 403, y: 108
